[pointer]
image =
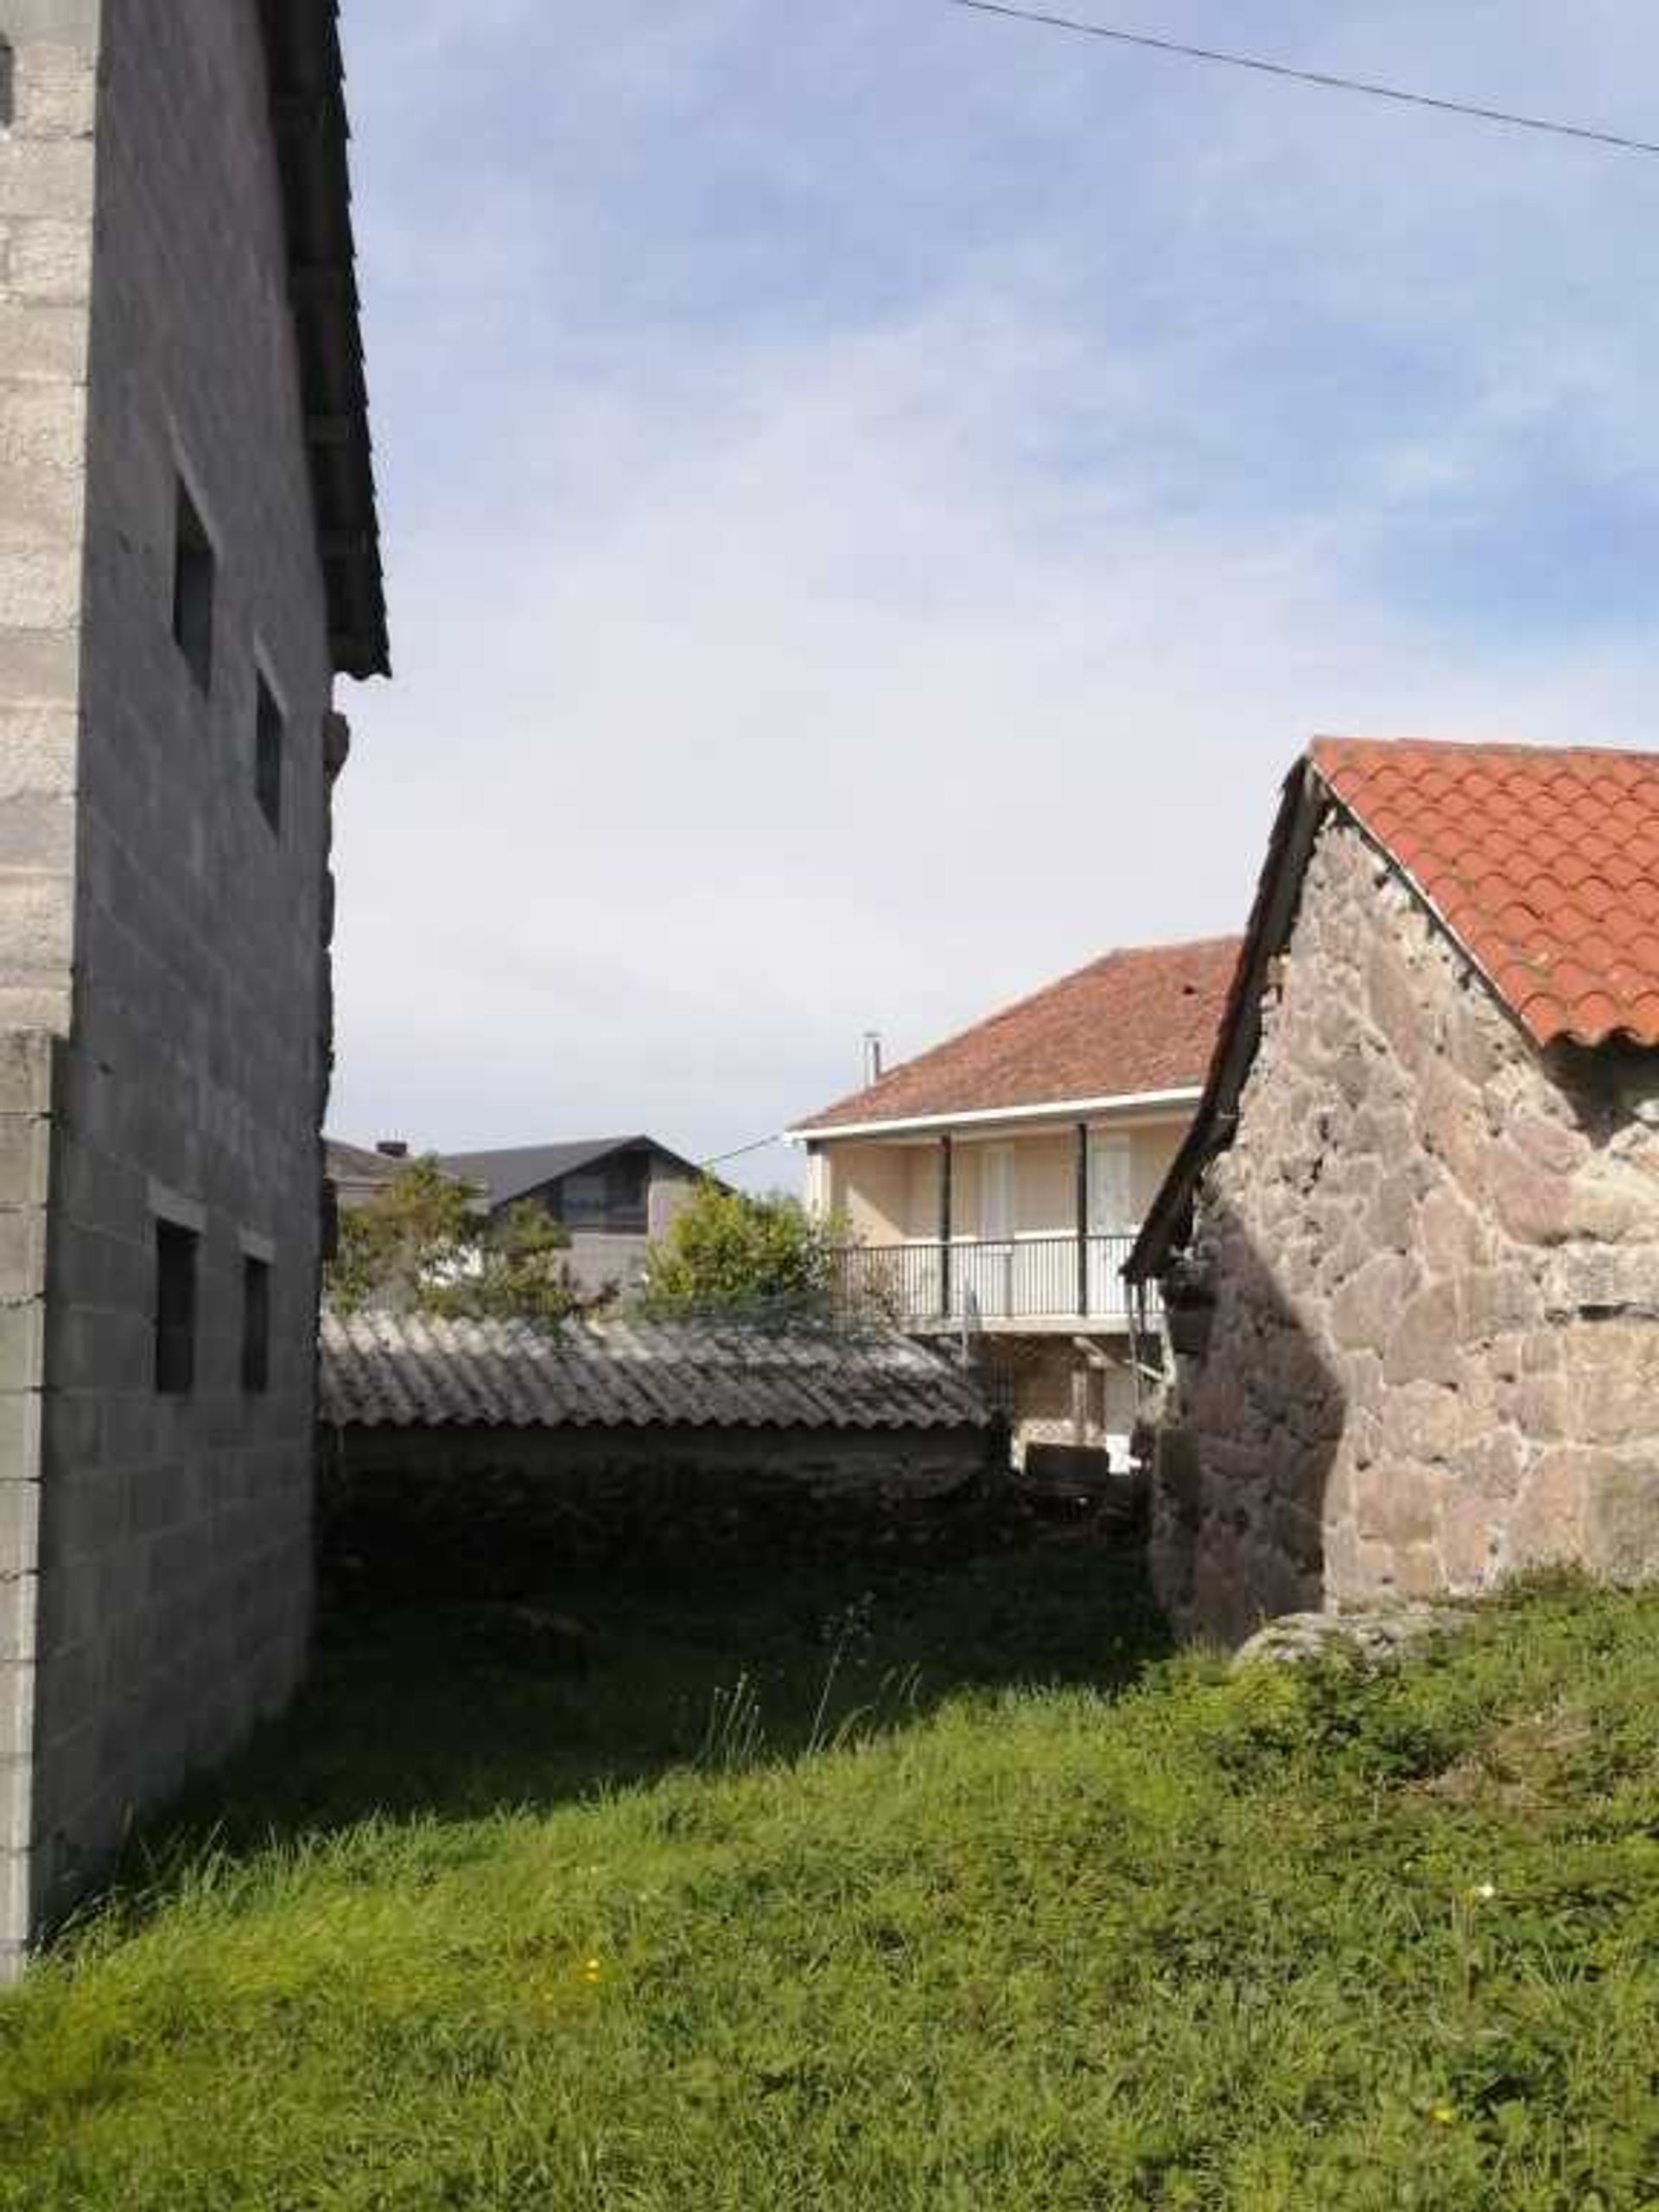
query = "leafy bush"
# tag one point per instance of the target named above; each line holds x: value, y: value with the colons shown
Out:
x: 731, y: 1252
x: 425, y: 1244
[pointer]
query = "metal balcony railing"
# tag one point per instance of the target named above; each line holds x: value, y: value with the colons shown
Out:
x: 979, y: 1279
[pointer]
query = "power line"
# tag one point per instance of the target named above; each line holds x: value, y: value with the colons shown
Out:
x: 762, y: 1144
x: 1320, y: 79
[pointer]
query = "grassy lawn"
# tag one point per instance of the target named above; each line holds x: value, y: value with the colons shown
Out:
x: 1009, y: 1918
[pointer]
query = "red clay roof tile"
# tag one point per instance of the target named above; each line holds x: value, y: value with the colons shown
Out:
x: 1544, y: 862
x: 1136, y: 1022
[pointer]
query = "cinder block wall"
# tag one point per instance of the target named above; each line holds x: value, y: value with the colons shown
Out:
x: 174, y: 1584
x: 46, y: 237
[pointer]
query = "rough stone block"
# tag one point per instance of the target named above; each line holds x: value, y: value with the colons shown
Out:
x: 1421, y: 1422
x: 1547, y: 1524
x: 1622, y: 1518
x: 1423, y: 1346
x: 1365, y: 1312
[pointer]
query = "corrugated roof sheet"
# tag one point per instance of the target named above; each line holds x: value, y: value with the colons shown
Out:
x: 382, y: 1369
x: 1543, y: 862
x: 1135, y: 1021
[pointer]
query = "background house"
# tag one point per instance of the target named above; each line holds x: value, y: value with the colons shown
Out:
x: 358, y: 1174
x: 996, y: 1182
x: 614, y: 1195
x: 1412, y: 1245
x: 190, y: 558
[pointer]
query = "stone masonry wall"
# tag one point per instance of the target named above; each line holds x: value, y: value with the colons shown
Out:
x: 1434, y: 1357
x: 176, y: 1542
x: 46, y: 241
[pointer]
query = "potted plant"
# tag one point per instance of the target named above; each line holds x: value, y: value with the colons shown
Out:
x: 1189, y: 1308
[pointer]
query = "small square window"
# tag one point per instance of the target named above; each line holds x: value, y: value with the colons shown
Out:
x: 268, y: 740
x: 175, y: 1309
x: 256, y: 1326
x: 193, y: 567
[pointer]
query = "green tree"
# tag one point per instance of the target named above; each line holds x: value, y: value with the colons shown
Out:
x: 425, y: 1244
x: 728, y: 1252
x: 520, y: 1272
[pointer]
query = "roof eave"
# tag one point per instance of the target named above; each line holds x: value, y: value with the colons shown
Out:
x: 1168, y: 1222
x: 306, y: 73
x: 1047, y: 1109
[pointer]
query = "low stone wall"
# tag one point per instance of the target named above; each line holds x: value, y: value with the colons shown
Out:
x: 1434, y: 1258
x: 405, y: 1512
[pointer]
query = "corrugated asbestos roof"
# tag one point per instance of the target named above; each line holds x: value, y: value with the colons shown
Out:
x: 384, y: 1369
x: 1135, y: 1021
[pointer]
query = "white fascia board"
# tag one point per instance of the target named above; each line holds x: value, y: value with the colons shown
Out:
x: 1056, y: 1109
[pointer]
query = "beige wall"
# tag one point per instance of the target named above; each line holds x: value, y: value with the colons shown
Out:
x: 889, y: 1190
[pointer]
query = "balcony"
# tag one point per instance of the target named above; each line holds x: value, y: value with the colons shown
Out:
x: 1035, y: 1284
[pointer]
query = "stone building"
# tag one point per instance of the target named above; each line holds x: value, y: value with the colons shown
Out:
x: 1410, y: 1251
x: 188, y: 557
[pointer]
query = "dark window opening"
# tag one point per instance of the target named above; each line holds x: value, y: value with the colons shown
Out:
x: 175, y: 1309
x: 192, y: 590
x: 256, y: 1326
x: 8, y: 84
x: 615, y: 1195
x: 268, y: 758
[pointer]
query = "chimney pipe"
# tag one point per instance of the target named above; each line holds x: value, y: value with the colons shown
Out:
x: 872, y: 1056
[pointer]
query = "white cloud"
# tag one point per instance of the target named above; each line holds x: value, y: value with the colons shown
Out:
x: 868, y: 659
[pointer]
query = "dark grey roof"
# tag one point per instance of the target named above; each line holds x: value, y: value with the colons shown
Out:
x: 384, y: 1369
x: 511, y: 1175
x: 308, y: 113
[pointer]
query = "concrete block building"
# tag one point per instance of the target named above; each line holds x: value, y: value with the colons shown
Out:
x: 187, y: 559
x: 1410, y: 1249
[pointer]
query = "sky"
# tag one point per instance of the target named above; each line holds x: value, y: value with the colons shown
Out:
x: 875, y: 498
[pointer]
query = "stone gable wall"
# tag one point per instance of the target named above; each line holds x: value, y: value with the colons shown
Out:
x: 1434, y: 1357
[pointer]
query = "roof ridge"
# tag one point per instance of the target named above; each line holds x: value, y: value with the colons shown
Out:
x: 1222, y: 941
x: 1521, y: 748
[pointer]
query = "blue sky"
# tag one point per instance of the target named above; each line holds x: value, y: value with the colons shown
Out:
x: 875, y: 497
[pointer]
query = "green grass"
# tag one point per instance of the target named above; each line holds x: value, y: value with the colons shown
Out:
x: 1026, y: 1928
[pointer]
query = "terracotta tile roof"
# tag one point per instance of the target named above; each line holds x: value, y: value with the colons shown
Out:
x: 1134, y: 1022
x: 1542, y: 862
x: 389, y: 1371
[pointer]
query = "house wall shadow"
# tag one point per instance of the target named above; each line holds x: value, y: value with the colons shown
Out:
x: 424, y: 1711
x: 1253, y: 1484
